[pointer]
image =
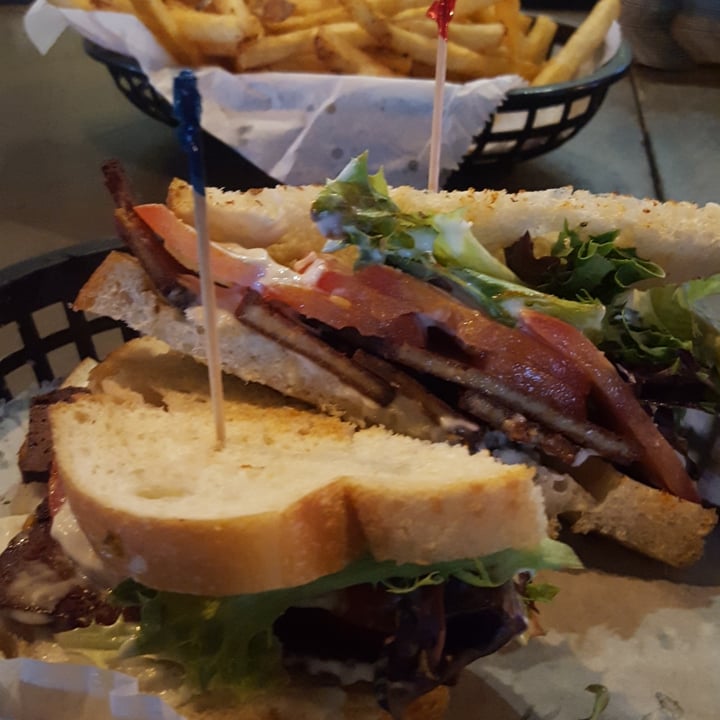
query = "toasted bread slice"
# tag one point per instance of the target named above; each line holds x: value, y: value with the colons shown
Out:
x: 680, y: 236
x: 293, y: 495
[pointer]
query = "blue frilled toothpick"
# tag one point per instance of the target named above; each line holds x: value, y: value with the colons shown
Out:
x: 187, y: 111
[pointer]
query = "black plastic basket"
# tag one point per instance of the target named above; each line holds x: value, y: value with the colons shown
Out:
x: 571, y: 105
x: 41, y: 337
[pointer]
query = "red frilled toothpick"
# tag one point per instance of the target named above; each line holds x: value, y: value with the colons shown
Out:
x: 441, y: 11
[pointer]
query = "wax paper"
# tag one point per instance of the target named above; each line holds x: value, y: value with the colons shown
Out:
x: 303, y: 128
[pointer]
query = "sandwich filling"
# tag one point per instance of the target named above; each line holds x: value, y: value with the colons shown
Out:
x: 513, y: 347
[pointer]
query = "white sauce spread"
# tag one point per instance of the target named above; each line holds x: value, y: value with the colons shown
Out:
x: 273, y: 272
x: 66, y: 532
x: 39, y: 587
x: 347, y: 673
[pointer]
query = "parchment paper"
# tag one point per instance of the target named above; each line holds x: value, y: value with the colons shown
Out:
x: 304, y: 128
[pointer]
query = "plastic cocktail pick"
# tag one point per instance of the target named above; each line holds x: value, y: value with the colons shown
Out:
x: 187, y: 111
x: 441, y: 11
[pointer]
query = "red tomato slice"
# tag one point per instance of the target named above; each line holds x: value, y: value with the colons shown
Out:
x: 661, y: 463
x: 180, y: 240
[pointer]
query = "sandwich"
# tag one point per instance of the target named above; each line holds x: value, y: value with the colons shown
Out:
x: 413, y: 417
x: 571, y: 332
x: 308, y: 568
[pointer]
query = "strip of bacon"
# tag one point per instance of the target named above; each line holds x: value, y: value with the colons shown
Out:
x: 161, y: 267
x: 582, y: 432
x: 660, y: 462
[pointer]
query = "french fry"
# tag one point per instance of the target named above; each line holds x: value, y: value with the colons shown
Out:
x: 308, y: 20
x: 480, y: 37
x: 122, y: 6
x: 375, y: 25
x: 536, y: 44
x: 508, y: 13
x: 340, y: 56
x: 250, y: 24
x: 411, y: 15
x: 525, y: 22
x: 460, y: 60
x: 397, y: 62
x: 271, y: 49
x: 306, y: 62
x: 162, y: 23
x: 469, y: 8
x: 272, y: 10
x: 464, y: 11
x: 214, y: 35
x: 74, y: 4
x: 392, y: 7
x: 351, y: 32
x: 306, y: 7
x: 581, y: 45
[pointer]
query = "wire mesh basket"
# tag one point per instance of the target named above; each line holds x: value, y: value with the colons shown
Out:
x: 530, y: 122
x: 41, y: 337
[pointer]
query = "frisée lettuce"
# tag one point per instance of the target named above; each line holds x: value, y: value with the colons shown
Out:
x: 228, y: 641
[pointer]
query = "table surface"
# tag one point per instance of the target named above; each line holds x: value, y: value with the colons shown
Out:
x: 657, y: 135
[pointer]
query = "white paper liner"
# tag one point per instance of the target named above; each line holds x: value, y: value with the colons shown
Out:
x: 301, y: 128
x: 36, y: 690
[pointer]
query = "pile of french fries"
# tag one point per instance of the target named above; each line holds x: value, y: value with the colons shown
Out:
x: 364, y: 37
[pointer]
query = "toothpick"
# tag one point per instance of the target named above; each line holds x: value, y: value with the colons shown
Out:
x: 187, y: 111
x: 441, y: 11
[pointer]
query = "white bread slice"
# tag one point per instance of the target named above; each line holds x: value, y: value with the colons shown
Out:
x: 293, y: 495
x: 681, y: 237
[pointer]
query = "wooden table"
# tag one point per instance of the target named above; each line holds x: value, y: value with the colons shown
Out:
x: 656, y: 135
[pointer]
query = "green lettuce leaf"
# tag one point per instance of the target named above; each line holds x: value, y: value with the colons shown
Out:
x: 653, y: 327
x: 356, y: 209
x: 229, y: 640
x: 602, y: 700
x: 594, y: 266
